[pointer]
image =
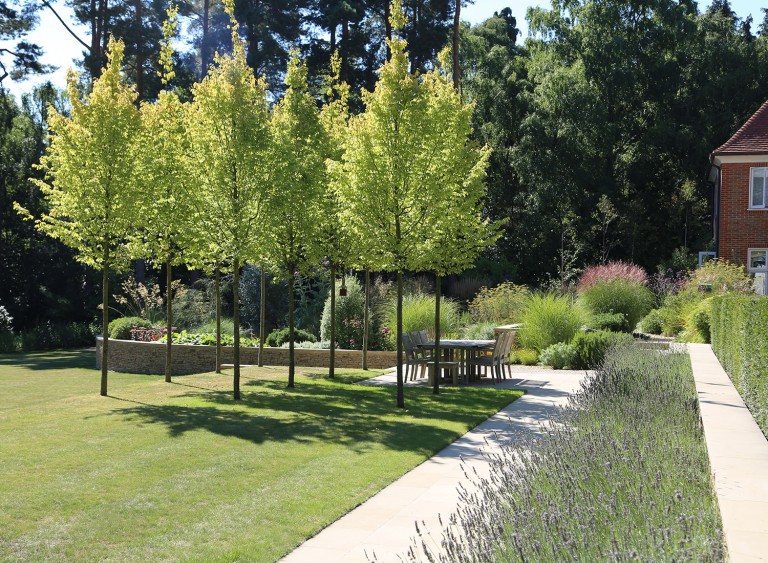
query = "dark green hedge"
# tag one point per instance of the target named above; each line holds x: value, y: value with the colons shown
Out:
x: 740, y: 341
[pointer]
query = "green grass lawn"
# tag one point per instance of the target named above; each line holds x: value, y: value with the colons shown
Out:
x: 180, y: 471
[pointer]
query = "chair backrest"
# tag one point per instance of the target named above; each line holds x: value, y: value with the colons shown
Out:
x: 424, y: 336
x: 416, y: 338
x: 407, y: 345
x: 500, y: 346
x: 511, y: 335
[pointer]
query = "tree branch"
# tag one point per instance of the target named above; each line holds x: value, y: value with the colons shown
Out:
x: 72, y: 33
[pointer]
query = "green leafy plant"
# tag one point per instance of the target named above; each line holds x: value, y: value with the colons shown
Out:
x: 524, y: 356
x: 739, y: 334
x: 615, y: 322
x: 349, y: 319
x: 632, y: 300
x: 209, y: 339
x: 591, y: 347
x: 501, y: 304
x: 278, y: 337
x: 7, y: 341
x: 419, y: 314
x: 699, y: 321
x: 120, y: 329
x: 560, y: 356
x: 547, y: 319
x: 653, y: 322
x: 479, y: 331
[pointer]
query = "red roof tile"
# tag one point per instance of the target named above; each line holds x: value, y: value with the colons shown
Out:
x: 751, y: 138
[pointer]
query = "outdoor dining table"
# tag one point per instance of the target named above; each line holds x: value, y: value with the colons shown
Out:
x: 465, y: 349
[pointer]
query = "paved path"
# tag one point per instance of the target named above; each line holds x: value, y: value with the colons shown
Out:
x: 382, y: 527
x: 738, y: 455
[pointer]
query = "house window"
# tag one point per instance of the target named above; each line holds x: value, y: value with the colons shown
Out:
x: 758, y: 259
x: 758, y: 188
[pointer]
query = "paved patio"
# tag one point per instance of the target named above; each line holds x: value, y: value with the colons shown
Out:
x: 381, y: 528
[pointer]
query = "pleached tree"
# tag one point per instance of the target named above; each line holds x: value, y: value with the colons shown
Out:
x: 458, y: 232
x: 163, y: 186
x: 90, y: 178
x: 298, y: 168
x: 389, y: 181
x: 229, y: 151
x: 334, y: 242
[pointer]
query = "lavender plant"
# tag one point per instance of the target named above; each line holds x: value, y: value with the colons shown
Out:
x: 621, y: 475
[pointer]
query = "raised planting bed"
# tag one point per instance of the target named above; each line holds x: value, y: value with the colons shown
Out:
x: 149, y: 357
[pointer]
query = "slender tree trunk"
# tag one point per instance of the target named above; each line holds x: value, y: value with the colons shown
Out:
x: 205, y: 59
x: 366, y: 318
x: 291, y: 357
x: 262, y: 313
x: 400, y: 394
x: 332, y: 360
x: 387, y: 27
x: 105, y: 327
x: 344, y: 49
x: 236, y: 321
x: 436, y: 388
x: 218, y: 319
x: 168, y: 321
x: 139, y: 52
x: 456, y: 28
x: 333, y: 36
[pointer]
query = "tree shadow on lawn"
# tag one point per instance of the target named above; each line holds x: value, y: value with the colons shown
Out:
x: 353, y: 416
x: 81, y: 358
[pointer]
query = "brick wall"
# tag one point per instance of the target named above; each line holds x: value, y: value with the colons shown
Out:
x: 149, y: 357
x: 741, y: 228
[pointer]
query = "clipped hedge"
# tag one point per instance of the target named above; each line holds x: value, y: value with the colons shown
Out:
x: 120, y: 329
x: 278, y: 337
x: 739, y: 330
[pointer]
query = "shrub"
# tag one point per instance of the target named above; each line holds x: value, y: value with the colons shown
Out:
x: 49, y: 336
x: 500, y: 304
x: 591, y: 347
x: 548, y: 319
x: 615, y: 322
x: 559, y: 356
x: 632, y: 300
x: 722, y: 276
x: 278, y: 337
x: 612, y: 271
x: 350, y: 311
x: 7, y: 340
x: 479, y: 331
x: 209, y: 339
x: 699, y: 321
x: 739, y: 332
x: 524, y: 356
x: 120, y: 329
x: 653, y: 322
x: 419, y: 314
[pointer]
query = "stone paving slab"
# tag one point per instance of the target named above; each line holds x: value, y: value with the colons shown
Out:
x: 738, y: 455
x: 382, y: 527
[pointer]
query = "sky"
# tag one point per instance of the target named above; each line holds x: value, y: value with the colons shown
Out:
x: 61, y: 48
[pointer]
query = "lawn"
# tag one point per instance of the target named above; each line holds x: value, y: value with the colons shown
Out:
x: 180, y: 471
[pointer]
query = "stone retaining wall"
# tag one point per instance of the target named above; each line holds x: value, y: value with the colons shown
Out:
x: 149, y: 357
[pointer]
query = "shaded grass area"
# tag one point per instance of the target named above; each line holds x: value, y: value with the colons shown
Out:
x: 622, y: 475
x: 180, y: 471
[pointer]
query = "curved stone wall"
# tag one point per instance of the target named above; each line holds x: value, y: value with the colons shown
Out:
x: 149, y: 357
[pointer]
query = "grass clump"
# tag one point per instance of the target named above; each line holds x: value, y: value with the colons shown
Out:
x: 547, y: 319
x: 621, y: 475
x: 617, y: 297
x: 419, y: 314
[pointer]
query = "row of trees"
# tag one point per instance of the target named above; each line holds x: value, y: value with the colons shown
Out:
x: 226, y: 179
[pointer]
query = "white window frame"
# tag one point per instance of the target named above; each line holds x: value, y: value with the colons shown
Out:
x: 752, y: 172
x: 749, y: 260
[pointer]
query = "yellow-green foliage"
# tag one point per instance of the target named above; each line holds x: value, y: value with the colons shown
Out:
x: 547, y: 319
x: 739, y: 337
x: 419, y: 314
x: 500, y: 304
x: 713, y: 278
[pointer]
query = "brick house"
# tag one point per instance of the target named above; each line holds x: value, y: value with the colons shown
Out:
x: 740, y: 168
